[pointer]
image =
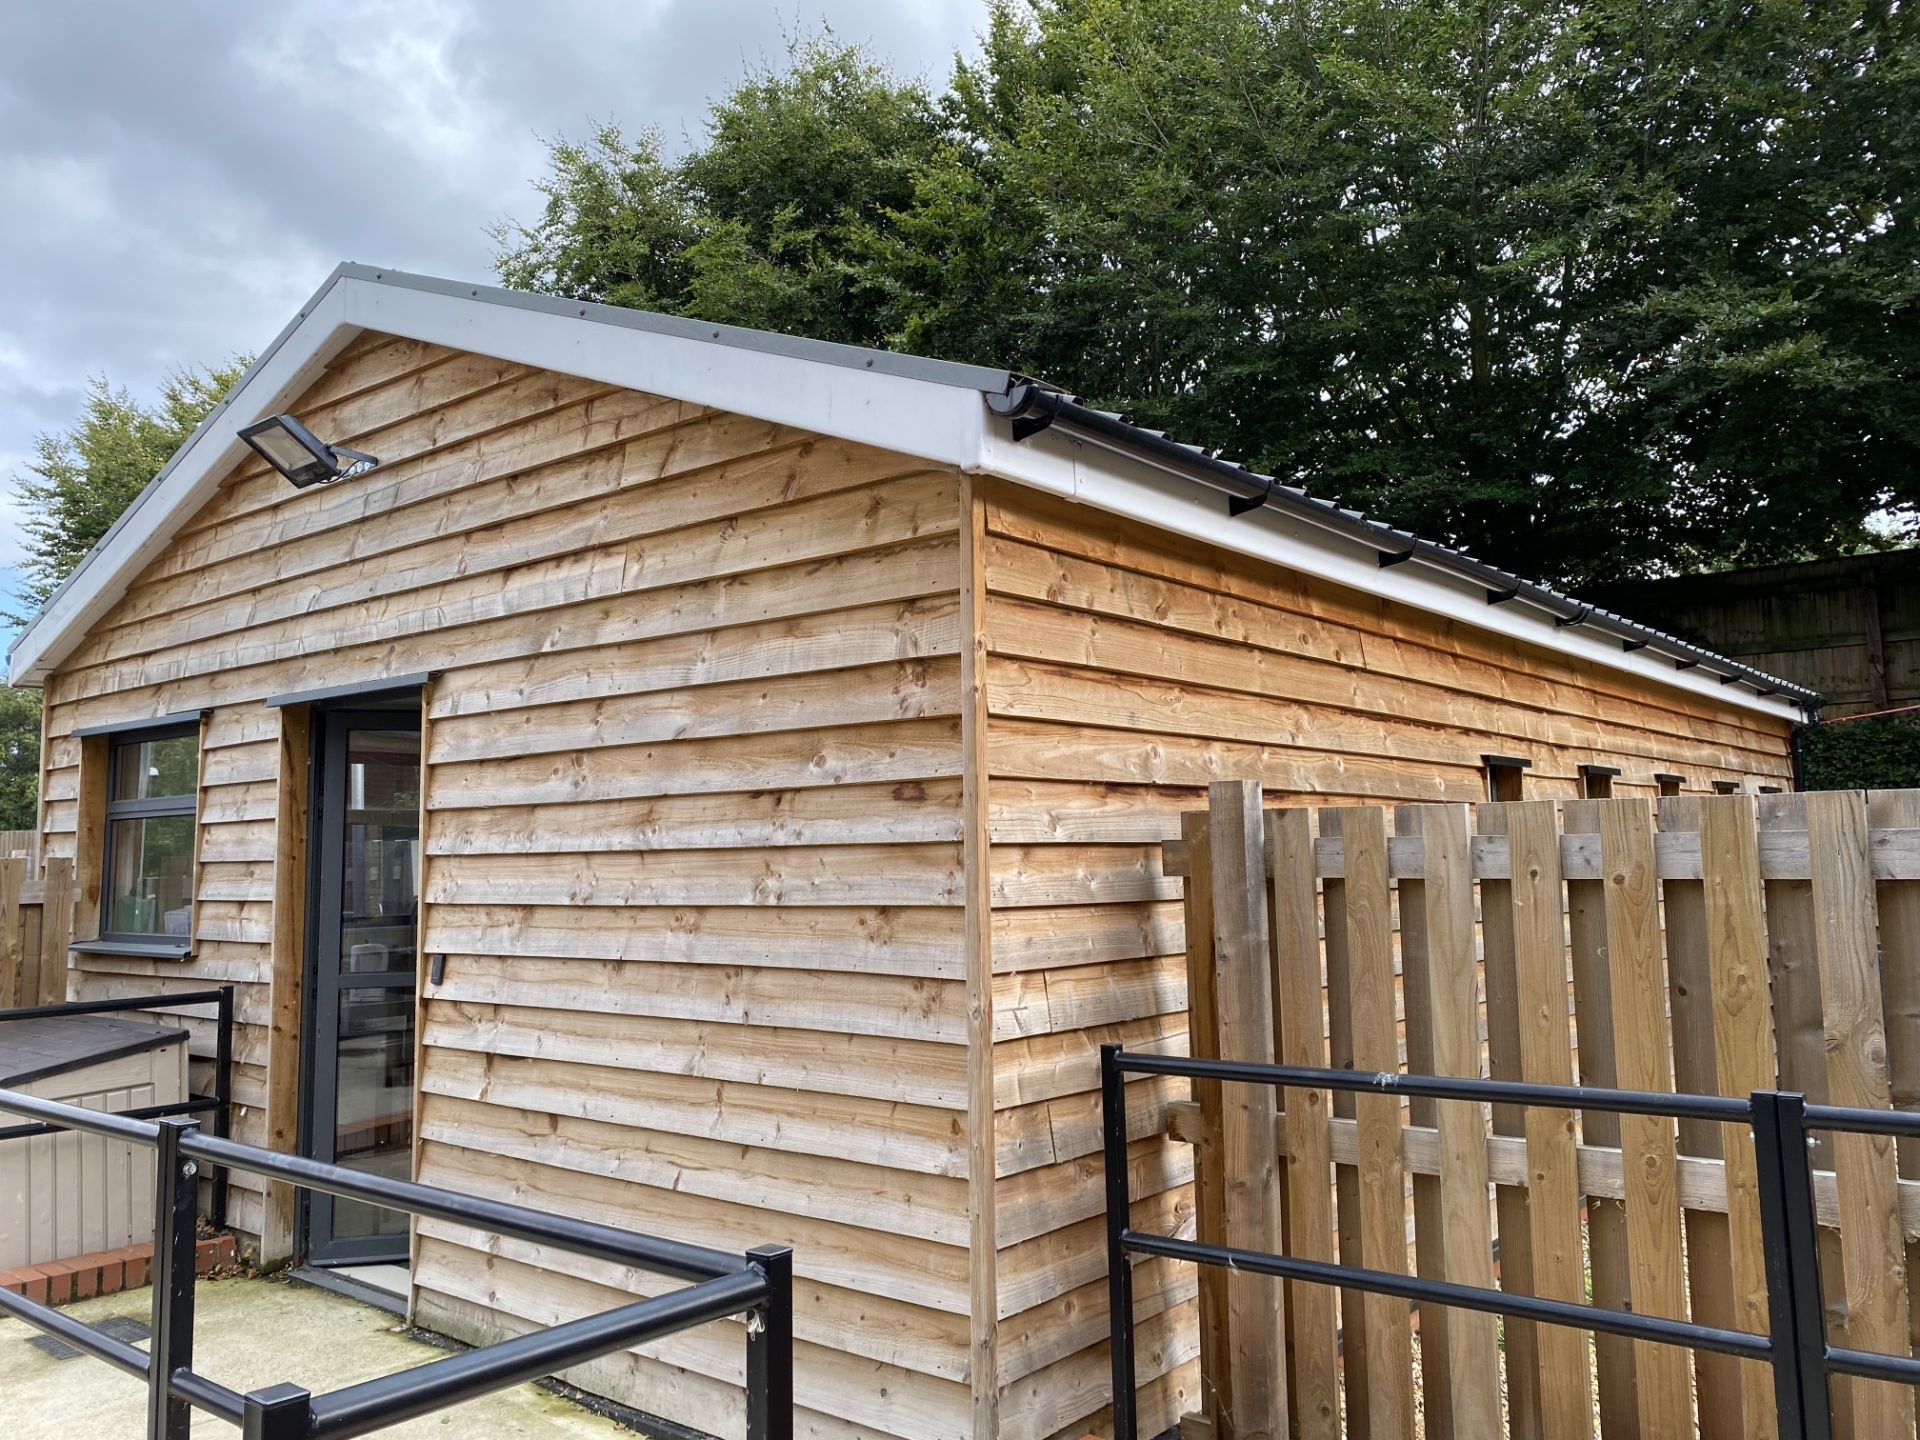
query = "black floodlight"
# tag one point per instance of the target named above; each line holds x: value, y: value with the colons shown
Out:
x: 292, y: 449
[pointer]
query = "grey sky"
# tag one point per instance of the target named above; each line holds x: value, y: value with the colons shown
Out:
x: 177, y: 177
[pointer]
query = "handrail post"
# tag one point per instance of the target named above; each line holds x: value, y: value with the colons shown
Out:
x: 223, y: 1093
x: 1796, y: 1326
x: 770, y: 1348
x: 1113, y: 1131
x: 279, y: 1412
x: 176, y: 1189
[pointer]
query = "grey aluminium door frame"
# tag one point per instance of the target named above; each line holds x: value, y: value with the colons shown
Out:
x: 320, y: 1008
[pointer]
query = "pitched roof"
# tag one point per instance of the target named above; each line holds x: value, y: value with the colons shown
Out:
x: 974, y: 417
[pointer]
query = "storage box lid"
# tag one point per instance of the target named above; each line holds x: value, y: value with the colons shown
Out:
x: 52, y: 1045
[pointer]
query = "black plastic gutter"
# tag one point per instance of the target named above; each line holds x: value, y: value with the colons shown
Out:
x: 1033, y: 407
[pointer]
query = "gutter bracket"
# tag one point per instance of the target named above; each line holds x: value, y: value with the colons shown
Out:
x: 1238, y: 505
x: 1579, y: 617
x: 1500, y: 597
x: 1393, y: 557
x: 1025, y: 427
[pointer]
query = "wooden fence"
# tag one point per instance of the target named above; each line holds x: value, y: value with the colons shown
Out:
x: 1716, y: 945
x: 36, y: 926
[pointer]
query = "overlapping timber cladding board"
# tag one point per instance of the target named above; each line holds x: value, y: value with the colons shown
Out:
x: 800, y: 729
x: 1715, y: 945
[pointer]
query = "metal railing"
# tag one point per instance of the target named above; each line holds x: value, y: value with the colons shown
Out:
x: 218, y: 1105
x: 1782, y: 1124
x: 757, y: 1284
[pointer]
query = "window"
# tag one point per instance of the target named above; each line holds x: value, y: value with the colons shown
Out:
x: 1670, y: 784
x: 1596, y: 781
x: 147, y: 871
x: 1504, y: 776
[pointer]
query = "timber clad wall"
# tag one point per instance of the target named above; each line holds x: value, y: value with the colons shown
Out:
x: 696, y: 810
x: 1128, y: 668
x: 692, y: 839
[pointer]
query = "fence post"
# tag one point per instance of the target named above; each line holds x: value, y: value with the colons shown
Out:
x: 1113, y: 1134
x: 223, y: 1093
x: 279, y: 1412
x: 770, y: 1348
x: 176, y: 1190
x: 1792, y: 1247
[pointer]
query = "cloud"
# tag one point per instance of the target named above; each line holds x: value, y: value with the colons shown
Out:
x: 179, y: 178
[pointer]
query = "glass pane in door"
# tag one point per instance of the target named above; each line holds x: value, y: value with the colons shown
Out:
x: 373, y: 1111
x: 364, y: 975
x: 380, y: 859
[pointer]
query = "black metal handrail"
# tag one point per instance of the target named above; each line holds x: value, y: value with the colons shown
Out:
x: 757, y: 1283
x: 219, y: 1104
x: 1795, y: 1345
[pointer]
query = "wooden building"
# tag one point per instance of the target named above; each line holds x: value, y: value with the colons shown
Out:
x: 713, y: 781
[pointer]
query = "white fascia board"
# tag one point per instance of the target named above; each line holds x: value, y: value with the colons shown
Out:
x: 1071, y: 466
x: 189, y: 480
x: 941, y: 423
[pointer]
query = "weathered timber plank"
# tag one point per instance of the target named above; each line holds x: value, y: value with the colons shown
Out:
x: 1872, y: 1247
x: 1301, y: 1040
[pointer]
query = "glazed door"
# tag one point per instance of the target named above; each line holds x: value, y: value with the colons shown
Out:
x: 359, y: 1016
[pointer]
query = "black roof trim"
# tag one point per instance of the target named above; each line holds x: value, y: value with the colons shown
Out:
x: 1028, y: 399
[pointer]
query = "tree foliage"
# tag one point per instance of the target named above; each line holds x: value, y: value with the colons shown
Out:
x: 79, y: 482
x: 1879, y: 752
x: 1592, y: 288
x: 19, y: 759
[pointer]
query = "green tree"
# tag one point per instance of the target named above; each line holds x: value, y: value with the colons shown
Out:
x: 78, y: 483
x: 1591, y: 288
x: 75, y: 487
x: 771, y: 223
x: 19, y: 759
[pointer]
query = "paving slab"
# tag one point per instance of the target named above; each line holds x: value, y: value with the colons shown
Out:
x: 249, y: 1333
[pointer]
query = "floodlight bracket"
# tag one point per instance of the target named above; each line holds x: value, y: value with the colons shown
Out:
x: 361, y: 463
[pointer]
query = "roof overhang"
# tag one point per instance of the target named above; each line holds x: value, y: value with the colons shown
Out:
x: 935, y: 410
x: 927, y: 408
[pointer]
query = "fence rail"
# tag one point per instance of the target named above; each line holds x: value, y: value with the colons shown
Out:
x: 758, y: 1284
x: 1713, y: 947
x: 1795, y: 1347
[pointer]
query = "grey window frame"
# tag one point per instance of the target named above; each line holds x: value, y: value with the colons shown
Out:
x: 156, y: 806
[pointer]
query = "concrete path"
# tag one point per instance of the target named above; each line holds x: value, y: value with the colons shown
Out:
x: 251, y: 1333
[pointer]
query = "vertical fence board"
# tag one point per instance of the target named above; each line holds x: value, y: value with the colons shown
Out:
x: 1793, y: 974
x: 1743, y: 1053
x: 1429, y: 1213
x: 1313, y: 1324
x: 1898, y: 904
x: 56, y: 930
x: 1203, y: 1028
x: 1546, y: 1055
x: 1503, y: 1063
x: 1249, y: 1137
x: 1353, y: 1328
x: 13, y: 879
x: 1606, y: 1216
x: 1462, y: 1238
x: 1873, y: 1247
x: 1663, y: 1381
x: 1709, y: 1237
x: 1382, y: 1182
